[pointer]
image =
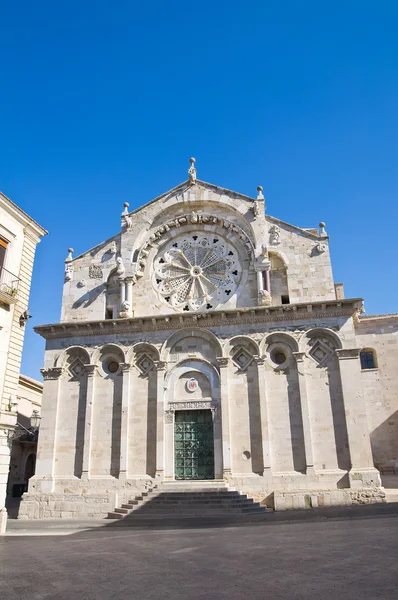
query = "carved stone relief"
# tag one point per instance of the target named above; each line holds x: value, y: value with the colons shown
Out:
x: 95, y: 272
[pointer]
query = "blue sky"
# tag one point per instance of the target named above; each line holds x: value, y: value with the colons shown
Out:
x: 104, y: 102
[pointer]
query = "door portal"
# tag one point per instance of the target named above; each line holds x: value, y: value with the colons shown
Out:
x: 194, y: 444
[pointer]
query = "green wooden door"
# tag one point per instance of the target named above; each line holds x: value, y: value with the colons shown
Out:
x: 194, y: 444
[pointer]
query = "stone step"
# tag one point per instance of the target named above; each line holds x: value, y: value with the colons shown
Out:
x: 187, y: 495
x: 192, y: 499
x: 391, y: 495
x: 199, y: 502
x: 200, y: 507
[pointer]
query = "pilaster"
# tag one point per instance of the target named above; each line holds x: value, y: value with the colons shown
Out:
x: 305, y: 414
x: 91, y: 371
x: 260, y: 360
x: 363, y: 472
x: 160, y: 418
x: 225, y: 419
x: 48, y: 428
x: 124, y: 425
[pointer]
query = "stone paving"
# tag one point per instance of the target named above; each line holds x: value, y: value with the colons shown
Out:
x: 330, y: 557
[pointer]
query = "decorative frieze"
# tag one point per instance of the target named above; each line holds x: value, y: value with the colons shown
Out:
x: 256, y: 315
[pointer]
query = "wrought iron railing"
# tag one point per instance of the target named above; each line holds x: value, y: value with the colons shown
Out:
x: 8, y: 284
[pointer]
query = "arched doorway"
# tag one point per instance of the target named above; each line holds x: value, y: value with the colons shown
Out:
x: 193, y: 445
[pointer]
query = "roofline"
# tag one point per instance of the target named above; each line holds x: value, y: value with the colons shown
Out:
x: 226, y: 190
x: 25, y: 217
x: 31, y: 383
x: 190, y: 184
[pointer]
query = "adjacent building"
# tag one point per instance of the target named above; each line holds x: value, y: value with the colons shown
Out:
x: 24, y: 438
x: 19, y: 236
x: 208, y: 340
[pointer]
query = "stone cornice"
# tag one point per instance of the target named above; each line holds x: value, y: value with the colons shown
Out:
x: 370, y: 318
x: 239, y: 316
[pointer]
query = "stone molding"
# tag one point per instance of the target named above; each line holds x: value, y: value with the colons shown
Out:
x: 52, y: 373
x: 258, y: 314
x: 347, y: 353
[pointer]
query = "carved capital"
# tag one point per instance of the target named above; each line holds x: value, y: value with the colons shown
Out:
x: 160, y: 365
x: 299, y: 356
x: 125, y: 367
x: 91, y: 370
x: 52, y: 373
x: 348, y: 353
x: 259, y: 360
x: 222, y: 361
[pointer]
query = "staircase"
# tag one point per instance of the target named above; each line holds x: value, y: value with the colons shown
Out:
x: 196, y: 499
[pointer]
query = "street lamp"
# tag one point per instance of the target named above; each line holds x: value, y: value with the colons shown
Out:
x: 35, y: 419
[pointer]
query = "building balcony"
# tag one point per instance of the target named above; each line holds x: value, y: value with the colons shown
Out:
x: 8, y: 286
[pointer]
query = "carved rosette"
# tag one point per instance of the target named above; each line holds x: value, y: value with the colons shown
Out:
x: 194, y: 219
x: 197, y: 271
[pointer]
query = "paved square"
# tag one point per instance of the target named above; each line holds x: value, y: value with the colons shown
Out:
x: 327, y: 559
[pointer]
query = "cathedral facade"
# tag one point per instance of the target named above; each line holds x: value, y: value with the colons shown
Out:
x: 208, y: 340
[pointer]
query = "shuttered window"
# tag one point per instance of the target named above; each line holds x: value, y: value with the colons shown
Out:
x: 3, y: 248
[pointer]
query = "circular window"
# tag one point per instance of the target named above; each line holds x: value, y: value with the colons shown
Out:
x: 110, y: 365
x: 197, y: 271
x: 113, y: 366
x: 278, y: 357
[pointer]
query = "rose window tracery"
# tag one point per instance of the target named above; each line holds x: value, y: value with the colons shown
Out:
x: 197, y: 271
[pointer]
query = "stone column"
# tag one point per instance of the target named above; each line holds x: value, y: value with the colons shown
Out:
x: 160, y: 368
x: 260, y: 360
x: 305, y: 415
x: 260, y: 281
x: 124, y: 422
x: 363, y: 472
x: 122, y: 293
x: 129, y: 292
x: 48, y: 429
x: 267, y: 281
x: 91, y: 371
x: 225, y: 421
x: 263, y: 283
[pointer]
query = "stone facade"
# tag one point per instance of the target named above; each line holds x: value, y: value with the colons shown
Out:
x: 204, y: 302
x: 19, y: 236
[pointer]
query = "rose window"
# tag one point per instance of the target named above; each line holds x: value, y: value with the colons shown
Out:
x: 197, y: 271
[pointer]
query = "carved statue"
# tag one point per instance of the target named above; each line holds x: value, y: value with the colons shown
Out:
x: 128, y: 220
x: 120, y: 270
x: 275, y: 235
x: 320, y: 247
x: 113, y: 249
x: 125, y: 310
x: 194, y: 217
x: 264, y: 298
x: 68, y: 272
x: 264, y: 251
x: 192, y: 171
